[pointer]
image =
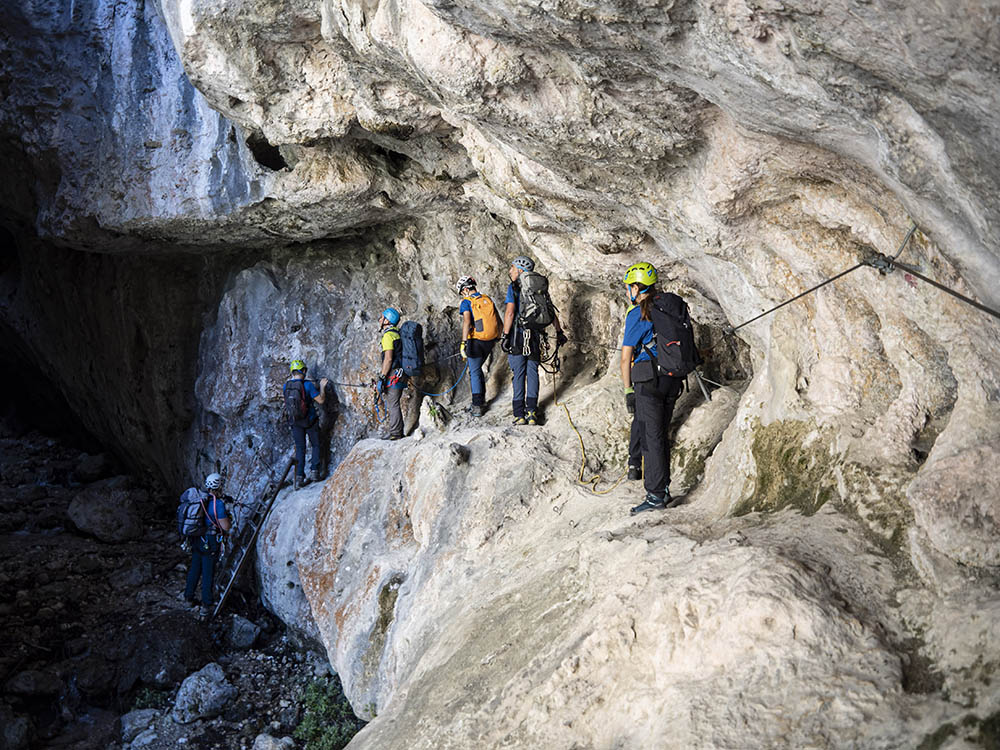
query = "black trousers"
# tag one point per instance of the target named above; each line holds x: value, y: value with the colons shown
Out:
x: 635, y: 441
x: 654, y: 405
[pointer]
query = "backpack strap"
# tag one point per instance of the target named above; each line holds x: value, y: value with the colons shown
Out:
x: 214, y: 521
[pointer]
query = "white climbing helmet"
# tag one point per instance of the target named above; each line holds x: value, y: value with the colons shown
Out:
x: 214, y: 482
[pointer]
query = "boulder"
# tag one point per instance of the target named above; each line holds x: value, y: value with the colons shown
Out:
x: 135, y: 722
x: 956, y: 502
x: 203, y: 695
x: 267, y: 742
x: 91, y: 468
x: 111, y: 516
x: 242, y: 633
x: 34, y: 684
x: 163, y: 651
x: 15, y: 731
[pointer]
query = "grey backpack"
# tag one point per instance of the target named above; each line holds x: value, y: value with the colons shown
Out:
x: 191, y: 513
x: 536, y: 310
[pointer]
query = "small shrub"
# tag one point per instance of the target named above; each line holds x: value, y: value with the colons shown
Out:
x: 328, y: 722
x: 148, y: 697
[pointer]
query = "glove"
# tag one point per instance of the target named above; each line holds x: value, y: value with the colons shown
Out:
x: 506, y: 344
x: 461, y: 350
x: 630, y: 400
x: 381, y: 385
x: 561, y: 338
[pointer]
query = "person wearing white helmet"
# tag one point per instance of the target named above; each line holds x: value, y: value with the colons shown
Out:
x: 205, y: 547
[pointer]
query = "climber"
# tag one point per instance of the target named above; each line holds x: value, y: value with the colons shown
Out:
x: 206, y: 545
x: 635, y: 436
x: 528, y: 311
x: 300, y: 397
x: 480, y: 330
x: 392, y: 380
x: 649, y: 391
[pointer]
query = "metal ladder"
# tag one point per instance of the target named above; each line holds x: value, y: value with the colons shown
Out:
x: 247, y: 537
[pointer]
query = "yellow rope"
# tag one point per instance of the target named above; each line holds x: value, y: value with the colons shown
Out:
x: 590, y: 484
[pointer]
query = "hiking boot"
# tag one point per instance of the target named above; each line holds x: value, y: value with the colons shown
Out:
x: 204, y: 612
x: 189, y: 601
x: 314, y: 476
x: 477, y: 410
x: 531, y: 418
x: 520, y: 420
x: 299, y: 481
x: 634, y: 473
x: 652, y: 502
x: 391, y: 437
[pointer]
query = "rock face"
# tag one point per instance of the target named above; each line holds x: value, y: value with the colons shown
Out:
x: 202, y: 695
x: 260, y: 179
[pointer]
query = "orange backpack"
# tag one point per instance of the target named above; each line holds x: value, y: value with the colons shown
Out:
x: 485, y: 319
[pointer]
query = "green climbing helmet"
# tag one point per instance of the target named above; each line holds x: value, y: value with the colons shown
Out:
x: 642, y: 274
x: 297, y: 364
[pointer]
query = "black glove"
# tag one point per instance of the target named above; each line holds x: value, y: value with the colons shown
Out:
x: 561, y: 338
x: 506, y: 344
x: 630, y: 401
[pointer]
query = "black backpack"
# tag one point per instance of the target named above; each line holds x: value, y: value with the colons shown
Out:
x: 191, y: 513
x: 535, y: 309
x: 676, y: 354
x: 411, y: 335
x: 297, y: 402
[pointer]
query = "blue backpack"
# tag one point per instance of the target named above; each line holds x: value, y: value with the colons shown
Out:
x: 411, y: 335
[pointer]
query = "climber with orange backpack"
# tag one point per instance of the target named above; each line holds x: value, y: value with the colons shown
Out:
x: 481, y: 327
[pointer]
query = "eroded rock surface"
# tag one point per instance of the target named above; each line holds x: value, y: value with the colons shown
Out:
x: 264, y: 177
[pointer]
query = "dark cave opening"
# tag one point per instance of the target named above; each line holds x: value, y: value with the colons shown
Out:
x: 266, y: 154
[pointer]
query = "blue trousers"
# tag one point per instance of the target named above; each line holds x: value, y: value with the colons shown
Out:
x: 525, y: 370
x: 205, y: 549
x: 477, y: 352
x: 299, y: 436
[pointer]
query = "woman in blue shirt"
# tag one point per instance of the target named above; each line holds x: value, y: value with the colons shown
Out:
x: 649, y: 394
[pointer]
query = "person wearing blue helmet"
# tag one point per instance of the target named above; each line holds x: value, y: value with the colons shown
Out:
x: 392, y: 379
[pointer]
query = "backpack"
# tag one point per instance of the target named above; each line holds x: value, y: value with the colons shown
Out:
x: 485, y: 319
x: 536, y: 310
x: 296, y: 402
x: 676, y: 354
x: 411, y: 335
x: 191, y: 513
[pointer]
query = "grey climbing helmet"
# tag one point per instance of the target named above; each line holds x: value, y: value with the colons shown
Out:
x: 214, y: 482
x: 524, y: 263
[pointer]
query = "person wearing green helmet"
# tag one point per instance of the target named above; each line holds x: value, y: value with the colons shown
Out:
x: 300, y: 397
x: 392, y: 380
x: 649, y: 394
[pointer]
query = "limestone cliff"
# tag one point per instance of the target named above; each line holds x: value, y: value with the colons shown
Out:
x: 199, y: 191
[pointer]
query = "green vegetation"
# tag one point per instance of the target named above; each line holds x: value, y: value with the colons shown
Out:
x: 793, y: 468
x: 148, y: 697
x: 982, y: 732
x: 328, y: 723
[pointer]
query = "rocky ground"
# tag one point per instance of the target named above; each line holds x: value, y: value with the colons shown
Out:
x: 96, y: 648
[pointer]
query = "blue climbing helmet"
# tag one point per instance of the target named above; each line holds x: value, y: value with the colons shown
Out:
x: 391, y: 314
